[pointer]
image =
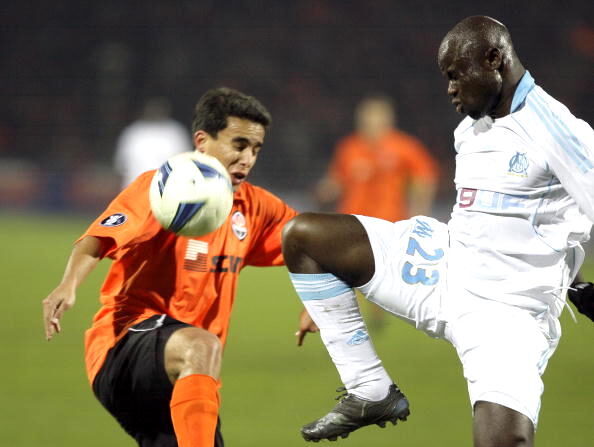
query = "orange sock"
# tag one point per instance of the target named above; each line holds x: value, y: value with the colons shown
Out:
x: 194, y: 410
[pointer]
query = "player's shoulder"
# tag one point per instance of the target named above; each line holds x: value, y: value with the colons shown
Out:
x: 548, y: 117
x: 256, y: 194
x: 350, y: 142
x: 464, y: 126
x: 136, y: 193
x: 260, y: 206
x: 401, y: 139
x: 143, y: 181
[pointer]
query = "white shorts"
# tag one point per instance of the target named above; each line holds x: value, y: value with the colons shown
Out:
x: 504, y: 349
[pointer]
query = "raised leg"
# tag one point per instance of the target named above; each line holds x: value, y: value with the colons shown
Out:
x: 328, y: 255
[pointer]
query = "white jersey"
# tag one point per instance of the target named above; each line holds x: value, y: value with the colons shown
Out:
x: 525, y: 202
x: 146, y: 144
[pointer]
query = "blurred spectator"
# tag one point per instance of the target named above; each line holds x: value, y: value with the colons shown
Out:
x: 379, y: 170
x: 148, y: 142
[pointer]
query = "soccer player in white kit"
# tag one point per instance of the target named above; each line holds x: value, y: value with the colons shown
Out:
x: 525, y: 203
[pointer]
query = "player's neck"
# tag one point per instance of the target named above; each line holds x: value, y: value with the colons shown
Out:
x: 510, y: 83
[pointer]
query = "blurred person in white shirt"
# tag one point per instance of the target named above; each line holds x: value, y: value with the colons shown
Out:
x: 147, y: 142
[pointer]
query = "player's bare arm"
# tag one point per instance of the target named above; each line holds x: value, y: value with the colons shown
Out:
x: 83, y: 259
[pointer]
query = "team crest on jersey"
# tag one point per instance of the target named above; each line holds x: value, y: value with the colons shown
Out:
x: 238, y: 225
x: 518, y: 165
x: 115, y: 220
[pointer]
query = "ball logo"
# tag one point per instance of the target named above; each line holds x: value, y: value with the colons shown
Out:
x: 115, y: 220
x: 238, y: 225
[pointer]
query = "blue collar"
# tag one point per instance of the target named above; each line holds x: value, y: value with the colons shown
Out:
x: 524, y: 87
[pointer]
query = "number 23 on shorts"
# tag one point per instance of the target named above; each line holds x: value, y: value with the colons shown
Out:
x: 420, y: 274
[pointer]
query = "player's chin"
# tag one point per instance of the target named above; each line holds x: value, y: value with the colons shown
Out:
x: 236, y: 183
x: 474, y: 114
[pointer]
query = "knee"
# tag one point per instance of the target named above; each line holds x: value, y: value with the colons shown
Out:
x: 297, y: 230
x: 193, y: 351
x: 205, y: 348
x: 499, y: 426
x: 508, y: 439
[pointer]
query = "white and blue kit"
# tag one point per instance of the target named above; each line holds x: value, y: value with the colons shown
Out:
x: 525, y: 203
x: 493, y: 281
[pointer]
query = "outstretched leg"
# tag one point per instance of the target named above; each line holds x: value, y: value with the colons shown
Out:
x: 328, y: 255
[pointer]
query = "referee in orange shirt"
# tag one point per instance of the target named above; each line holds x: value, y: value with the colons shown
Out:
x: 153, y: 353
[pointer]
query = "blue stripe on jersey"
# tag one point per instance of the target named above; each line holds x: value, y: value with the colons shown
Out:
x: 559, y: 131
x: 582, y: 154
x: 318, y: 286
x: 524, y: 87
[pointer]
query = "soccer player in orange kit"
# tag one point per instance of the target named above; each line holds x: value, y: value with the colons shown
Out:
x: 153, y: 353
x: 379, y: 170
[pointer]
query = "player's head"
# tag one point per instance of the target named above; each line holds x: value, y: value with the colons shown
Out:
x: 230, y: 126
x: 156, y: 108
x: 478, y: 59
x: 374, y: 115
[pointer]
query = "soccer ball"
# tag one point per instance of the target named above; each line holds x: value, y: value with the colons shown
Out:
x: 191, y: 194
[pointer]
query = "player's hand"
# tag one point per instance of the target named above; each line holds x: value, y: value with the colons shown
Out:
x: 54, y: 306
x: 583, y: 298
x: 306, y: 324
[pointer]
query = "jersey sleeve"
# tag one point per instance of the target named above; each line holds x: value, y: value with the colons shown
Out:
x: 126, y: 220
x: 569, y: 147
x: 271, y: 216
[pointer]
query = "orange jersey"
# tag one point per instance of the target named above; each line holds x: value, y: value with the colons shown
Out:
x: 374, y: 179
x: 190, y: 279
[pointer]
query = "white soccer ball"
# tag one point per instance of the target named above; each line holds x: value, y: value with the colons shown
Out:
x: 191, y: 194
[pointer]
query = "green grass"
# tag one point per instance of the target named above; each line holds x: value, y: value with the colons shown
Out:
x: 271, y: 387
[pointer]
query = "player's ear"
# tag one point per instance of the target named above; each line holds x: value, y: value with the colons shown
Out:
x: 494, y: 58
x: 201, y: 140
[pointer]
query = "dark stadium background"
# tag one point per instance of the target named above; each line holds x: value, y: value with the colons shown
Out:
x: 74, y: 73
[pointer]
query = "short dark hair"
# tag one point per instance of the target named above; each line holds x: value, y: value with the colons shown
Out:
x: 216, y: 105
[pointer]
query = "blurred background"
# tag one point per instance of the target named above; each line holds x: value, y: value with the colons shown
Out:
x: 74, y: 76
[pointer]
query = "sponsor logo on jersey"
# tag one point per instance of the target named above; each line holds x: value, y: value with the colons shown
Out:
x: 115, y: 220
x: 358, y: 337
x: 238, y: 225
x: 491, y: 200
x: 225, y: 263
x: 518, y: 165
x: 196, y: 258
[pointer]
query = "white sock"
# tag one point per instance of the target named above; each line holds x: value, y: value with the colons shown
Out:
x: 332, y: 305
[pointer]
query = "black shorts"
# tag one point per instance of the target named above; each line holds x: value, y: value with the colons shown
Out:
x: 133, y: 385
